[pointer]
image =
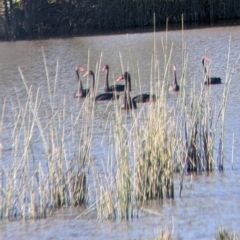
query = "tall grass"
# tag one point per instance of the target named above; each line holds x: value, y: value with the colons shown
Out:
x: 154, y: 154
x: 48, y: 162
x: 50, y: 158
x: 163, y: 235
x: 223, y: 234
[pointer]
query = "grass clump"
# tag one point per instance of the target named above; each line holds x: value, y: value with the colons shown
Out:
x: 224, y: 234
x: 200, y: 127
x: 154, y: 165
x: 162, y: 235
x: 51, y: 148
x: 46, y: 166
x: 124, y: 186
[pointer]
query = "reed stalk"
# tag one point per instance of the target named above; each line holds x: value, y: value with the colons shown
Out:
x: 124, y: 187
x: 230, y: 70
x: 153, y: 156
x: 31, y: 187
x: 162, y: 235
x: 51, y: 145
x: 224, y: 234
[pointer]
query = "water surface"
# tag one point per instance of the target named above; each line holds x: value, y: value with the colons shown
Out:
x: 208, y: 200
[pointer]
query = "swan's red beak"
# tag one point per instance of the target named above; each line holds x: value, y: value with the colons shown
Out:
x: 120, y: 78
x: 80, y: 68
x: 86, y: 73
x: 207, y: 58
x: 104, y: 68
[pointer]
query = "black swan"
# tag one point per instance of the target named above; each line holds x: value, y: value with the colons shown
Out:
x: 113, y: 88
x: 80, y: 93
x: 128, y: 103
x: 174, y: 86
x: 209, y: 80
x: 103, y: 96
x: 144, y: 97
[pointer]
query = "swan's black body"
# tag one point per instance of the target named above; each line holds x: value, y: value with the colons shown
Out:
x: 81, y: 92
x: 128, y: 103
x: 174, y: 86
x: 144, y: 98
x: 113, y: 88
x: 103, y: 96
x: 209, y: 80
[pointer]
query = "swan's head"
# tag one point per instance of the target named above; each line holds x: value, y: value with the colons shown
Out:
x: 120, y: 78
x: 174, y: 67
x: 87, y: 73
x: 125, y: 76
x: 80, y: 68
x: 105, y: 67
x: 206, y: 58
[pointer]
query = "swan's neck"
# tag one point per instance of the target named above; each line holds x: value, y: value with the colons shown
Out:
x: 93, y: 84
x: 125, y: 100
x: 127, y: 104
x: 206, y: 77
x: 128, y: 83
x: 80, y: 86
x: 106, y: 82
x: 175, y: 77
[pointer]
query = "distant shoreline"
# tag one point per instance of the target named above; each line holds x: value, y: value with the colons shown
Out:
x: 171, y: 27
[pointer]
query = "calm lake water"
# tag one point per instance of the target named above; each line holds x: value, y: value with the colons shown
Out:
x: 208, y: 200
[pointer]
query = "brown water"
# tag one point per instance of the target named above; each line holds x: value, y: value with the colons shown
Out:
x: 208, y: 200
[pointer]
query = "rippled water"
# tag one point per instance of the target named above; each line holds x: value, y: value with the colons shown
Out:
x: 208, y: 200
